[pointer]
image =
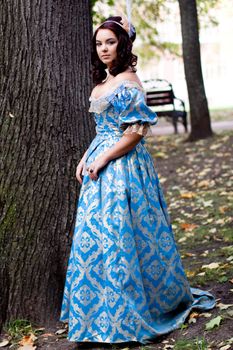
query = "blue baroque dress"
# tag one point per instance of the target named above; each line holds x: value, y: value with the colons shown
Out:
x: 125, y: 281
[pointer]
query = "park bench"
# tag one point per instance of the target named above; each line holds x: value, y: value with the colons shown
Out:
x: 160, y: 95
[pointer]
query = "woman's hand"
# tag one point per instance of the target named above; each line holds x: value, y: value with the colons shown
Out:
x: 79, y: 171
x: 96, y: 166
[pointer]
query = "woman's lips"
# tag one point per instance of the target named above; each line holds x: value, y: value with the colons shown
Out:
x: 105, y: 56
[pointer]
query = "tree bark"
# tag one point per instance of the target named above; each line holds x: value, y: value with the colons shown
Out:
x: 45, y: 128
x: 200, y: 117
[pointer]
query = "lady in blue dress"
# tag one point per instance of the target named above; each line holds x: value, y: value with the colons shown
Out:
x: 125, y: 281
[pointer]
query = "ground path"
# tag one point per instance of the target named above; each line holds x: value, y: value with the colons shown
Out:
x: 167, y: 129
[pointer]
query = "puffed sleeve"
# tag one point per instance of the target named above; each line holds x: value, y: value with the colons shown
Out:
x: 134, y: 114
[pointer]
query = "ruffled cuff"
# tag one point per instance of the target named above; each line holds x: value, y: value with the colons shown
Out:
x: 141, y: 129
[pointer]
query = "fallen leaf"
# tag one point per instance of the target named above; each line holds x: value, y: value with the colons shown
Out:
x: 204, y: 183
x: 223, y: 209
x: 28, y: 340
x: 215, y: 322
x: 206, y: 314
x: 182, y: 239
x: 27, y: 347
x: 61, y: 331
x: 4, y: 342
x: 224, y: 306
x: 189, y: 254
x: 161, y: 155
x: 190, y: 273
x: 211, y: 266
x: 213, y: 230
x: 230, y: 258
x: 225, y: 347
x: 215, y: 146
x: 193, y: 317
x: 201, y: 273
x: 187, y: 227
x: 205, y: 253
x: 220, y: 221
x: 208, y: 203
x: 188, y: 195
x: 230, y: 313
x: 230, y: 341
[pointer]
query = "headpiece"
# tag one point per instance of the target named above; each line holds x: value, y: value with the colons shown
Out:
x: 124, y: 24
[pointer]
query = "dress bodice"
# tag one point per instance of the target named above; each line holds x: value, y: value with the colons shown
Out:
x: 124, y: 105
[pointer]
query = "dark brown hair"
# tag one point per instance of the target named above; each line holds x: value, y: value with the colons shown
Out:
x: 125, y: 57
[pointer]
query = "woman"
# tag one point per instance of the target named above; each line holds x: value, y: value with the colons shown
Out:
x: 125, y: 280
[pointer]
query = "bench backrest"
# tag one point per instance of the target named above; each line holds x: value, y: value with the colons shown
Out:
x: 160, y: 97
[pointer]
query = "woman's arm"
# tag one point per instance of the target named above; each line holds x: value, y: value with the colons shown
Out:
x: 123, y: 146
x: 79, y: 168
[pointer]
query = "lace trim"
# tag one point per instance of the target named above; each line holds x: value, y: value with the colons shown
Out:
x: 100, y: 104
x: 141, y: 129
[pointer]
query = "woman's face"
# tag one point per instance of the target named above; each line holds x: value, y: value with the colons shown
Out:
x: 106, y: 46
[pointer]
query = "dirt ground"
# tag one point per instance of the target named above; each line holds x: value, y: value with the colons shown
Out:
x: 197, y: 179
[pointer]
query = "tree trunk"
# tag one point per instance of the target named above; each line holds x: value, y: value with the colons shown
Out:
x: 44, y: 130
x: 200, y: 118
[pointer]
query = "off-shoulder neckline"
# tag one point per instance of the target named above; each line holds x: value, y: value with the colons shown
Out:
x: 122, y: 83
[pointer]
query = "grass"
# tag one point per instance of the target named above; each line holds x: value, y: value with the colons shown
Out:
x: 189, y: 344
x: 222, y: 114
x: 17, y: 329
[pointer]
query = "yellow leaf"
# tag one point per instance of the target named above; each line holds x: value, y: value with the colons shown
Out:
x: 189, y: 254
x: 188, y: 195
x: 161, y: 155
x: 203, y: 183
x: 190, y: 273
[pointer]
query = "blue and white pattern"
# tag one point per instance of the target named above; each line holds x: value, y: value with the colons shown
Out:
x: 125, y: 281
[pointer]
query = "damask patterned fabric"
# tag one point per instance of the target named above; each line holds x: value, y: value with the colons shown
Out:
x: 125, y: 281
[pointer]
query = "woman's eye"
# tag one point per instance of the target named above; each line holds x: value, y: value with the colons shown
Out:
x: 98, y: 44
x: 111, y: 42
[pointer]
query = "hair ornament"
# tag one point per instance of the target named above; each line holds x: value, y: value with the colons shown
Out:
x: 123, y: 23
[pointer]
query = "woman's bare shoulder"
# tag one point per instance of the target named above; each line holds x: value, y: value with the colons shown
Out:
x: 130, y: 76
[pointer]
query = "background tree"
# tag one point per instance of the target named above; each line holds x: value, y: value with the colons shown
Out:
x: 44, y: 129
x: 199, y: 112
x: 145, y: 16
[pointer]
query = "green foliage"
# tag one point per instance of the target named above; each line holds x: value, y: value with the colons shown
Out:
x: 215, y: 322
x: 16, y: 329
x: 196, y: 344
x: 204, y: 11
x: 146, y: 15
